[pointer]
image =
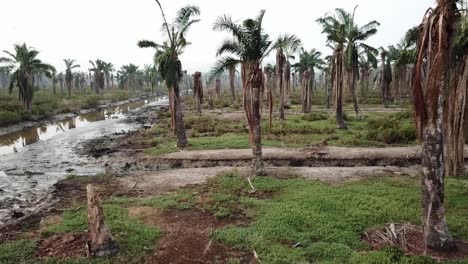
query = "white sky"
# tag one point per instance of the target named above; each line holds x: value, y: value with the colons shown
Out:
x: 110, y: 29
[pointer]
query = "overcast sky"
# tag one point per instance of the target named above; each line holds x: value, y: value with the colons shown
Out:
x: 110, y: 29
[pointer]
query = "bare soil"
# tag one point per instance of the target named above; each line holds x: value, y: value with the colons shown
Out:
x: 410, y: 239
x: 63, y: 246
x: 187, y: 238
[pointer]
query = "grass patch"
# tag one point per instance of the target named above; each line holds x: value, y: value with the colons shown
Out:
x: 328, y: 220
x: 134, y: 238
x: 15, y: 252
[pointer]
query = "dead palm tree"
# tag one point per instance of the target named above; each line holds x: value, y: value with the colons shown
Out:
x: 248, y: 47
x: 170, y: 67
x: 25, y: 65
x: 436, y: 61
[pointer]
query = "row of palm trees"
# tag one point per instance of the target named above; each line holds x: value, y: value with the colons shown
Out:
x: 23, y: 66
x: 440, y: 70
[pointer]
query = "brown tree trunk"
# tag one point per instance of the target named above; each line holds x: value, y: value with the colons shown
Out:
x: 434, y: 44
x: 279, y: 81
x: 100, y: 243
x: 352, y: 81
x: 338, y: 88
x: 306, y: 92
x: 218, y: 88
x: 232, y: 76
x: 179, y: 119
x: 454, y: 122
x: 198, y: 91
x: 287, y: 78
x: 252, y: 78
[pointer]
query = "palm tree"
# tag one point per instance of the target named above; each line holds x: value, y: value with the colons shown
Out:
x: 402, y: 55
x: 385, y: 77
x: 170, y: 67
x: 270, y: 82
x: 128, y: 75
x: 98, y: 69
x: 342, y: 30
x: 248, y: 47
x: 288, y: 44
x: 69, y: 66
x: 108, y: 69
x: 26, y: 64
x: 366, y: 64
x: 198, y: 91
x: 308, y: 61
x: 437, y: 59
x: 456, y: 119
x: 335, y: 29
x: 151, y: 74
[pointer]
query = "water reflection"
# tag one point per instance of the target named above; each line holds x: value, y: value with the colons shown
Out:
x: 13, y: 142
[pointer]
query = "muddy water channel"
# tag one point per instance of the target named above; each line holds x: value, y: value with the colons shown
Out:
x: 33, y: 159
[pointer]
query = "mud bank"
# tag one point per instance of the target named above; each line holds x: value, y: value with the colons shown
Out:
x: 38, y: 121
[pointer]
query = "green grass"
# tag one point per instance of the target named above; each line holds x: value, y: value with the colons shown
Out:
x: 328, y: 220
x: 134, y: 238
x: 297, y: 131
x: 16, y: 252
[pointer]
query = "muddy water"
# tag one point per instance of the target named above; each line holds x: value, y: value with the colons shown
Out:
x: 34, y: 159
x: 13, y: 142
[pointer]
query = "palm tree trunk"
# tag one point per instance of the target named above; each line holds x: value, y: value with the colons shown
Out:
x: 287, y: 78
x: 352, y: 81
x: 328, y: 92
x: 198, y: 91
x: 279, y: 82
x: 434, y: 51
x: 218, y: 88
x: 179, y: 119
x: 232, y: 75
x: 454, y: 122
x: 338, y: 88
x: 252, y: 80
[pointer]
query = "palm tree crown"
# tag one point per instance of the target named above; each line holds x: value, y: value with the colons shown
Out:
x: 25, y: 65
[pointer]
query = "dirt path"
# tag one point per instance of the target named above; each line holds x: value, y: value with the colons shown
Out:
x: 170, y: 180
x: 273, y: 157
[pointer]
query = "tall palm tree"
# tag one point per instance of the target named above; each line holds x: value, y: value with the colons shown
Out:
x: 129, y: 74
x: 69, y: 66
x: 98, y: 70
x: 248, y: 47
x: 308, y: 62
x: 170, y: 67
x: 26, y: 64
x: 342, y: 30
x: 438, y: 58
x: 456, y: 120
x: 151, y: 74
x: 335, y: 29
x: 108, y: 69
x: 288, y: 44
x: 403, y: 55
x: 386, y: 76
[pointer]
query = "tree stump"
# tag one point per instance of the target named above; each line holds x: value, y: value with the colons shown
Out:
x: 100, y: 243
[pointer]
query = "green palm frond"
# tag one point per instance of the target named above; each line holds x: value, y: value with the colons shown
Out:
x: 223, y: 65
